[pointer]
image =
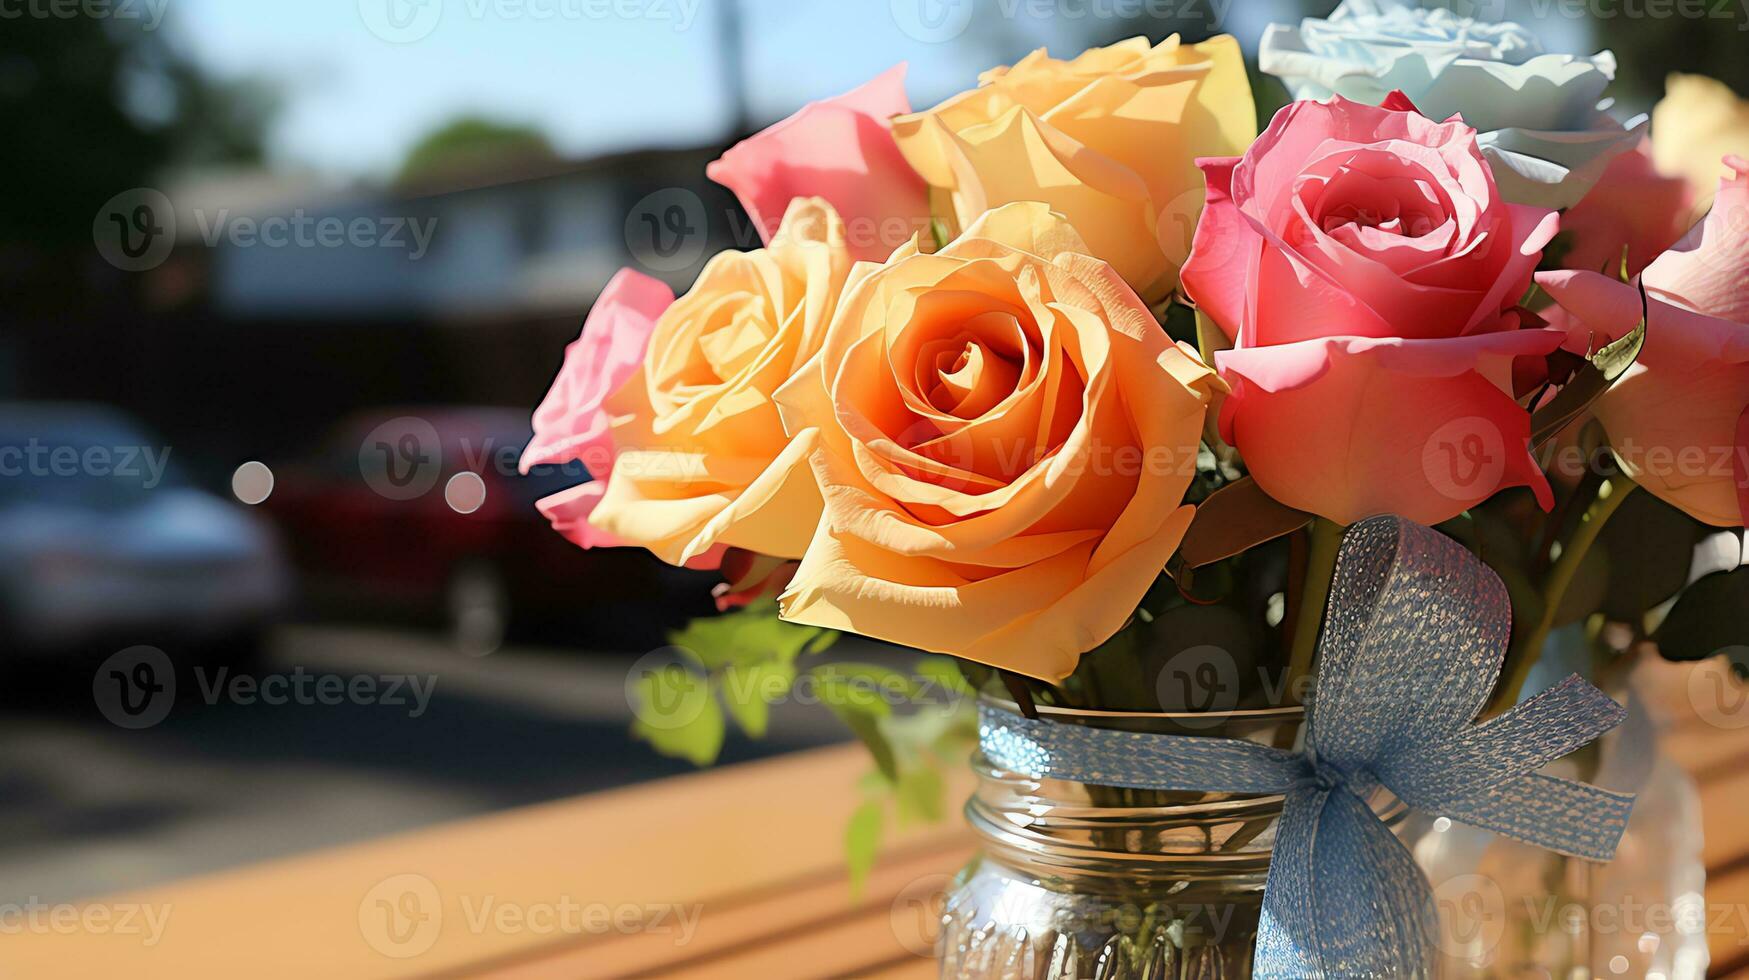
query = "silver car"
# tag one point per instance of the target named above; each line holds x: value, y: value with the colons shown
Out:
x: 103, y: 543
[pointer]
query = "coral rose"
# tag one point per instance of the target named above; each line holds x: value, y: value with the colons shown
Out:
x: 1633, y: 214
x: 840, y: 149
x: 1107, y: 139
x: 571, y: 424
x: 1679, y: 418
x: 1004, y: 439
x: 702, y: 458
x: 1367, y: 272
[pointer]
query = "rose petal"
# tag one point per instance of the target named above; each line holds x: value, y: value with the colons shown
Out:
x: 1351, y: 427
x: 1708, y: 271
x: 840, y: 149
x: 569, y: 423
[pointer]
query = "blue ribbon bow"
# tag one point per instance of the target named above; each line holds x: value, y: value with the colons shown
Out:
x: 1415, y: 634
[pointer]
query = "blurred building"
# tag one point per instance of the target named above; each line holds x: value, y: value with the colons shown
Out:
x: 288, y: 303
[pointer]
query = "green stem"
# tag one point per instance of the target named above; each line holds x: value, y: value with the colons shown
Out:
x: 1524, y: 653
x: 1320, y: 569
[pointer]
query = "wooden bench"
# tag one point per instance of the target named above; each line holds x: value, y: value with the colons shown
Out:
x: 735, y: 873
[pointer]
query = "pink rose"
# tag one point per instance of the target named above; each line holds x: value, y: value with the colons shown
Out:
x: 1632, y: 206
x: 841, y: 149
x: 1679, y: 418
x: 1367, y: 272
x: 570, y: 423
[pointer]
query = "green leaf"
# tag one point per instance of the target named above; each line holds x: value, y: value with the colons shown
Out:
x: 1236, y: 518
x: 1588, y: 384
x: 748, y: 692
x: 1615, y: 358
x: 862, y: 843
x: 944, y: 673
x: 1708, y: 619
x: 678, y: 715
x: 750, y: 635
x: 866, y: 727
x: 863, y: 687
x: 947, y: 731
x: 921, y: 793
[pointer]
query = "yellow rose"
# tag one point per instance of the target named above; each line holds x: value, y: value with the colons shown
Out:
x: 1004, y: 436
x: 1694, y: 127
x: 1109, y: 140
x: 701, y: 457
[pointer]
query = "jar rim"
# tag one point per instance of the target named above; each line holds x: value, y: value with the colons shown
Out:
x: 1287, y: 713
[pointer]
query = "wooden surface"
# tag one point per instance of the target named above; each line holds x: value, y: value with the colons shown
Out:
x: 751, y: 854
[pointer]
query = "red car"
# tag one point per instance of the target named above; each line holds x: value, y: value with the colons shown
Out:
x: 423, y: 511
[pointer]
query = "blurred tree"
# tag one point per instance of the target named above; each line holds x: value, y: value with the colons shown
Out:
x: 93, y: 107
x: 1649, y: 48
x: 471, y: 143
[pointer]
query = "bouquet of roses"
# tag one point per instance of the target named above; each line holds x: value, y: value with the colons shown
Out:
x: 1077, y: 371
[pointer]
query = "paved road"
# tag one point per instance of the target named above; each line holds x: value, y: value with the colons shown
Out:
x: 87, y: 807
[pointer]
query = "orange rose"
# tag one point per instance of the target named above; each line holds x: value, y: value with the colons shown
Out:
x: 701, y: 457
x: 1004, y: 436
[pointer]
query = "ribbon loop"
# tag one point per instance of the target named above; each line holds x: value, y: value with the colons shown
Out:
x: 1412, y: 645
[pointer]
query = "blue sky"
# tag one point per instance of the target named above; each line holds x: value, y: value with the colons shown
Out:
x: 356, y: 101
x: 596, y: 80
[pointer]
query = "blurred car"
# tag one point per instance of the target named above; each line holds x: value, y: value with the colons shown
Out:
x: 102, y: 541
x: 422, y: 513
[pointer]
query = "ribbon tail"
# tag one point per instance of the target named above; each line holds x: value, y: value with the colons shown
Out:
x: 1138, y: 760
x: 1477, y: 760
x: 1564, y: 816
x: 1344, y: 897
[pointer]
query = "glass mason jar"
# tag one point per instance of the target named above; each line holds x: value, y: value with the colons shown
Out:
x: 1507, y: 909
x: 1080, y: 881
